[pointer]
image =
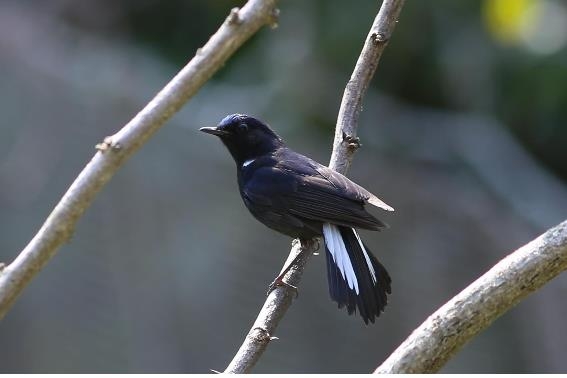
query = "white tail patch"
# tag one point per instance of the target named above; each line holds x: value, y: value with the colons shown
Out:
x: 337, y: 248
x: 366, y: 257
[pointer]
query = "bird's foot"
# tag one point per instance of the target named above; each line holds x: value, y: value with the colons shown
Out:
x: 280, y: 282
x: 316, y: 246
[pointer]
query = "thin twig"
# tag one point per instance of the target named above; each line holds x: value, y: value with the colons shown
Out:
x: 240, y: 25
x: 346, y: 142
x: 278, y: 301
x: 344, y: 146
x: 526, y: 270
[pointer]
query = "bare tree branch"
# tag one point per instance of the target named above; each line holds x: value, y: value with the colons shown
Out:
x: 526, y: 270
x: 344, y: 146
x: 272, y: 311
x: 346, y: 141
x: 240, y: 25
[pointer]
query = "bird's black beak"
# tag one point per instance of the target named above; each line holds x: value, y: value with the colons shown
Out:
x: 213, y: 130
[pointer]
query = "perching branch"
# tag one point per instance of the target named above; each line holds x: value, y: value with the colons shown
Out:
x: 274, y: 308
x: 240, y: 25
x: 526, y: 270
x: 344, y: 146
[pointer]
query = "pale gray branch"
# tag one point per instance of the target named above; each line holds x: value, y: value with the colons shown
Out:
x: 346, y: 141
x: 240, y: 25
x: 272, y: 311
x: 526, y: 270
x: 344, y: 146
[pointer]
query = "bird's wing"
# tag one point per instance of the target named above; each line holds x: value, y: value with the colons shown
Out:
x: 303, y: 165
x: 318, y: 198
x: 351, y: 189
x: 305, y: 193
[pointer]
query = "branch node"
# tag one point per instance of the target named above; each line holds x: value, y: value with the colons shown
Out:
x: 352, y: 141
x: 281, y: 283
x: 378, y: 37
x: 234, y: 17
x: 261, y: 335
x: 107, y: 144
x: 273, y: 18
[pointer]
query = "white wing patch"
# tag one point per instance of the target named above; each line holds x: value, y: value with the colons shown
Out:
x: 336, y: 246
x: 366, y: 257
x: 247, y: 163
x: 373, y: 200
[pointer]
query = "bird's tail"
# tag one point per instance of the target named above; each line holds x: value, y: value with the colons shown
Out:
x: 356, y: 278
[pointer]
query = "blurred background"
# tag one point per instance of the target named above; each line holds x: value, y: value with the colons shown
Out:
x: 463, y: 132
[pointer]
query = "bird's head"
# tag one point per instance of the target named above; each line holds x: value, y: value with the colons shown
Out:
x: 245, y: 137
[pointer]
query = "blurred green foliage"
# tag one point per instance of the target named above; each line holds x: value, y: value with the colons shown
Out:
x: 427, y: 65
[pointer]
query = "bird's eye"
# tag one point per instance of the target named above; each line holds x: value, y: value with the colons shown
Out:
x: 242, y: 127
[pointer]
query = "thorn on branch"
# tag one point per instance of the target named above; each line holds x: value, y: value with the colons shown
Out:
x: 234, y: 17
x: 215, y: 371
x: 108, y: 144
x: 353, y: 142
x: 274, y: 17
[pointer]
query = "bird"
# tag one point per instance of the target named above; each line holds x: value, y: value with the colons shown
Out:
x: 301, y: 198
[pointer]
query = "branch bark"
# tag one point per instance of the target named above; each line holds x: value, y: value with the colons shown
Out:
x: 240, y: 25
x: 526, y: 270
x: 344, y: 147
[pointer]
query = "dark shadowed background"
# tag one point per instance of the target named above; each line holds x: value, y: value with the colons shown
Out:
x: 463, y: 132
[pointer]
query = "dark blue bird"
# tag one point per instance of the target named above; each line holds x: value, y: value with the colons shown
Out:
x: 301, y: 198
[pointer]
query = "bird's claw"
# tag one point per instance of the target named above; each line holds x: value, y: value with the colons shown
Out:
x: 279, y: 282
